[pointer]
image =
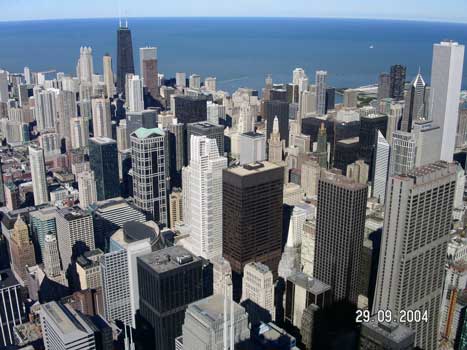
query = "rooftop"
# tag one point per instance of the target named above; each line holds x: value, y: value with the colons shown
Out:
x: 7, y: 279
x: 143, y: 133
x: 73, y: 213
x: 311, y: 284
x: 102, y: 140
x: 169, y: 259
x: 65, y: 319
x: 253, y: 168
x: 211, y: 309
x: 389, y: 331
x: 254, y: 134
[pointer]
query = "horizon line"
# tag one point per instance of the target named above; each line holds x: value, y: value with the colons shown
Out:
x: 422, y: 20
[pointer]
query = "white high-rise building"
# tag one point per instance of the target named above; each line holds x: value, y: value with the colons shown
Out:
x: 180, y: 79
x: 252, y: 147
x: 446, y: 79
x: 108, y: 76
x: 79, y: 129
x: 75, y: 233
x: 215, y: 112
x: 3, y: 86
x: 87, y: 189
x: 45, y: 109
x: 297, y: 74
x: 119, y: 272
x: 195, y: 81
x: 66, y: 109
x: 146, y: 54
x: 150, y: 171
x: 258, y: 286
x: 417, y: 223
x: 135, y: 94
x: 51, y: 256
x: 27, y: 75
x: 321, y: 77
x: 403, y: 152
x: 202, y: 197
x: 210, y: 84
x: 275, y: 144
x: 381, y: 168
x: 123, y: 141
x: 38, y: 175
x: 101, y: 118
x: 311, y: 172
x: 50, y: 143
x: 85, y: 64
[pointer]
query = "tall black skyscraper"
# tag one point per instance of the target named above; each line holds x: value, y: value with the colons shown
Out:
x: 397, y: 81
x: 125, y: 62
x: 170, y: 279
x: 103, y: 159
x: 279, y: 109
x: 369, y: 126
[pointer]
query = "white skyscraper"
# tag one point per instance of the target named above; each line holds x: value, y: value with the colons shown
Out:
x: 275, y: 143
x: 297, y: 74
x: 146, y: 54
x: 258, y: 286
x: 79, y: 130
x: 101, y: 118
x: 403, y: 152
x: 45, y: 110
x: 195, y: 81
x: 66, y: 109
x: 202, y: 195
x: 3, y: 86
x: 108, y: 76
x: 38, y: 175
x: 51, y: 256
x: 180, y: 79
x: 210, y: 84
x: 119, y: 272
x: 417, y: 223
x: 135, y: 94
x: 321, y: 77
x: 87, y: 189
x: 27, y: 75
x: 85, y: 64
x: 245, y: 121
x: 446, y: 78
x: 381, y: 168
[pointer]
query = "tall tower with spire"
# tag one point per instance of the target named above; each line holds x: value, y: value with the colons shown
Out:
x: 322, y: 147
x: 125, y: 63
x: 275, y: 143
x: 416, y: 103
x: 21, y: 250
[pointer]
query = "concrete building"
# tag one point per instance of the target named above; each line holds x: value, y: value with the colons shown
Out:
x: 276, y: 146
x: 252, y: 147
x: 108, y: 76
x: 21, y: 250
x: 339, y: 233
x: 376, y: 335
x: 358, y: 172
x: 446, y: 77
x: 102, y: 125
x: 403, y: 153
x: 148, y: 69
x: 38, y: 174
x: 135, y: 94
x: 202, y: 197
x: 85, y: 64
x: 51, y: 256
x: 422, y: 229
x: 75, y: 234
x: 258, y: 287
x: 87, y: 189
x: 79, y: 132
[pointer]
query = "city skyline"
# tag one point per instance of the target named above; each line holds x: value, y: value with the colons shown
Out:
x: 432, y: 10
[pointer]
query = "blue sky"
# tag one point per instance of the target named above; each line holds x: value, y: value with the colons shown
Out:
x: 440, y: 10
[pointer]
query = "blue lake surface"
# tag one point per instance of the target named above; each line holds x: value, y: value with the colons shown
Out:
x: 238, y: 51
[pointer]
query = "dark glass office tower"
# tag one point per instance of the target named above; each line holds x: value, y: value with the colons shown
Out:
x: 330, y: 99
x: 125, y: 62
x: 279, y: 109
x: 369, y: 126
x: 191, y: 109
x: 340, y: 224
x: 252, y: 217
x: 169, y: 280
x: 103, y: 159
x: 397, y: 81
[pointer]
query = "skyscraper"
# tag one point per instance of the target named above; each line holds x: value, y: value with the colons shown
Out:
x: 403, y: 153
x: 321, y: 77
x: 45, y: 109
x: 119, y: 271
x: 275, y: 144
x: 108, y: 76
x: 415, y: 103
x: 322, y: 147
x: 384, y: 86
x: 79, y: 130
x: 51, y: 256
x: 4, y: 96
x: 38, y: 175
x: 369, y: 127
x: 135, y: 94
x: 103, y: 160
x: 66, y: 109
x: 150, y: 170
x: 101, y: 119
x: 21, y: 250
x: 87, y: 189
x: 252, y: 216
x: 258, y: 287
x: 397, y: 86
x: 202, y: 197
x: 169, y: 280
x: 75, y: 234
x: 417, y: 223
x: 279, y: 109
x: 125, y: 62
x: 191, y: 109
x: 381, y: 168
x: 339, y: 233
x: 148, y: 69
x: 211, y: 131
x: 42, y: 222
x: 85, y: 64
x: 446, y: 78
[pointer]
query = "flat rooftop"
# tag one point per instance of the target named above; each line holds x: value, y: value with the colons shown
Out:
x: 311, y: 284
x: 253, y: 168
x: 211, y: 309
x: 169, y: 259
x: 102, y: 140
x: 73, y: 213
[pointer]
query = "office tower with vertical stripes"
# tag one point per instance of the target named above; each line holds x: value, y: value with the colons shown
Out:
x: 38, y: 175
x: 417, y: 223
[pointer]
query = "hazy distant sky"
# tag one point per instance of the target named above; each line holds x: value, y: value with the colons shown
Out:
x: 442, y: 10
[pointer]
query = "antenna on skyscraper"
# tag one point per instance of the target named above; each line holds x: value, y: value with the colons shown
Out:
x: 119, y: 14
